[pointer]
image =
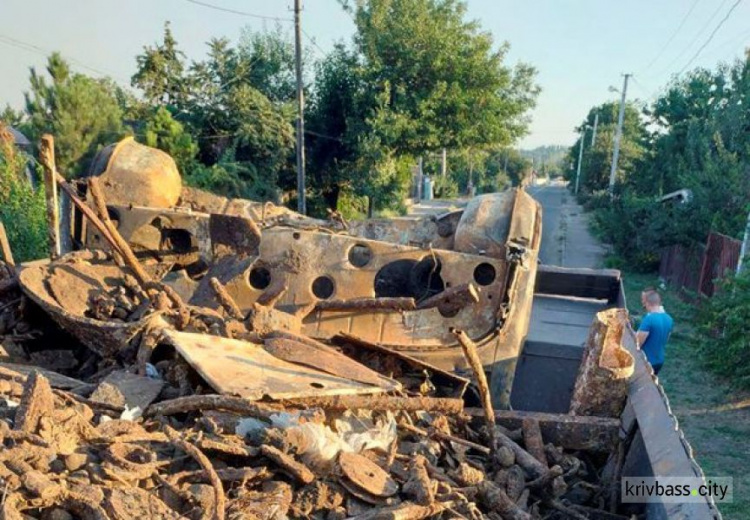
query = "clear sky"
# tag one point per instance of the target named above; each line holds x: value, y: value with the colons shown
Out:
x: 579, y: 47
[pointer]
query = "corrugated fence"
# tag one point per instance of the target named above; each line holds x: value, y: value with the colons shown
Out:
x: 696, y: 267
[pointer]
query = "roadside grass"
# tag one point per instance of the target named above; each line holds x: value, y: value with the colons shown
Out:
x: 713, y: 413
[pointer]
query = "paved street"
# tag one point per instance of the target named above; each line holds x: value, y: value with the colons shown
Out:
x: 566, y: 240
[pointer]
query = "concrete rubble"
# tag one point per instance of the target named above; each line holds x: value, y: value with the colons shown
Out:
x: 202, y: 357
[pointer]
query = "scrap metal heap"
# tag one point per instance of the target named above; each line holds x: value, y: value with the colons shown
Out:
x: 210, y: 358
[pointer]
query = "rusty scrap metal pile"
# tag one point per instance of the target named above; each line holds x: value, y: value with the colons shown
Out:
x: 209, y: 358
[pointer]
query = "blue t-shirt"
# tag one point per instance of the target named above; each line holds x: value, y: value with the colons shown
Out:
x: 659, y: 326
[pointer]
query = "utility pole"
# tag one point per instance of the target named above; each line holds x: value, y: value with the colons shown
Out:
x: 596, y: 124
x: 444, y: 164
x: 618, y: 135
x: 580, y: 157
x: 301, y: 204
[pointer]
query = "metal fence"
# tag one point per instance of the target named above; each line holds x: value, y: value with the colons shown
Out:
x: 695, y: 268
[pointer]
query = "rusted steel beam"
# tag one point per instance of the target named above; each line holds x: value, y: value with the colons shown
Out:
x: 379, y: 402
x: 47, y: 159
x: 602, y: 384
x: 367, y: 304
x: 572, y: 432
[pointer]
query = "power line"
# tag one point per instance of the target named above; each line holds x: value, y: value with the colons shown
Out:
x: 702, y: 30
x: 312, y: 40
x: 240, y: 13
x: 679, y: 27
x: 18, y: 44
x: 716, y: 29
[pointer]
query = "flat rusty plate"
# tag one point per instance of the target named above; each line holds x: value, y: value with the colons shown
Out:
x: 367, y: 475
x: 235, y: 367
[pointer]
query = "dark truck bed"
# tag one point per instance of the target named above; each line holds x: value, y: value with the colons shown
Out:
x: 565, y: 302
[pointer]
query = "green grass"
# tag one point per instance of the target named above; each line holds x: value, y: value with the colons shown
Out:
x: 712, y: 412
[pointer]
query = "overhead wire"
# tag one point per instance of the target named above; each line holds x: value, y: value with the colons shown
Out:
x: 713, y: 33
x: 240, y: 13
x: 674, y: 33
x: 30, y: 47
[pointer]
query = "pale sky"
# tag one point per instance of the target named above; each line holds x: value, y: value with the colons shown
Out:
x: 579, y: 47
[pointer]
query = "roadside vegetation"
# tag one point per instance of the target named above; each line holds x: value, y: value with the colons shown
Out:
x: 712, y: 411
x: 694, y: 136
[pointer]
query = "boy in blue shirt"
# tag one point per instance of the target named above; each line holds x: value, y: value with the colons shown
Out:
x: 655, y: 329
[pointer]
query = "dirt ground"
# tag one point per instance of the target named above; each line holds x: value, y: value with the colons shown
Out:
x: 713, y: 413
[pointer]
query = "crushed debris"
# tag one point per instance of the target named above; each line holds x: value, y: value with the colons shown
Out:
x: 239, y: 361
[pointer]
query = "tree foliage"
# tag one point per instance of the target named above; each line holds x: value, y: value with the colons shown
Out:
x: 22, y: 209
x: 418, y: 77
x: 233, y: 110
x: 697, y: 138
x: 81, y: 112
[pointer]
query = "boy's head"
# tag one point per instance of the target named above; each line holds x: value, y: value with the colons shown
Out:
x: 650, y: 299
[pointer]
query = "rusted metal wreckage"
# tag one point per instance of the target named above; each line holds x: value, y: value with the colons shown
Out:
x: 404, y: 284
x: 314, y: 367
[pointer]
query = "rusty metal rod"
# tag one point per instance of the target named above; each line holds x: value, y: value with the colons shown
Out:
x: 470, y: 352
x: 379, y: 402
x: 118, y: 242
x: 101, y: 208
x: 457, y: 297
x: 367, y: 304
x: 226, y: 301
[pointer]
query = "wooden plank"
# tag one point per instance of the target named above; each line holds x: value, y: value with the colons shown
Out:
x: 568, y: 431
x: 47, y: 159
x: 245, y: 369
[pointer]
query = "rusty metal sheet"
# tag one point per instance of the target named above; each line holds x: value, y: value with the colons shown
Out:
x: 245, y: 369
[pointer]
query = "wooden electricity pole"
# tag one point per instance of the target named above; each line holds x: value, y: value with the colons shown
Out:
x: 301, y: 204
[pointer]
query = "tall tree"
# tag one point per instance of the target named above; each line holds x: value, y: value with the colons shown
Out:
x: 81, y: 112
x: 160, y: 73
x: 419, y: 77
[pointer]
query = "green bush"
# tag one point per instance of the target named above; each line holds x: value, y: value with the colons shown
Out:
x: 445, y: 187
x: 22, y: 209
x: 723, y: 329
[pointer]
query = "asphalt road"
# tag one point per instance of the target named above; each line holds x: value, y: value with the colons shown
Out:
x: 551, y: 199
x: 566, y: 240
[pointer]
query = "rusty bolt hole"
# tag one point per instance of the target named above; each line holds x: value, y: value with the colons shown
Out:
x: 259, y: 278
x: 447, y: 310
x: 484, y: 274
x: 360, y: 255
x: 323, y: 287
